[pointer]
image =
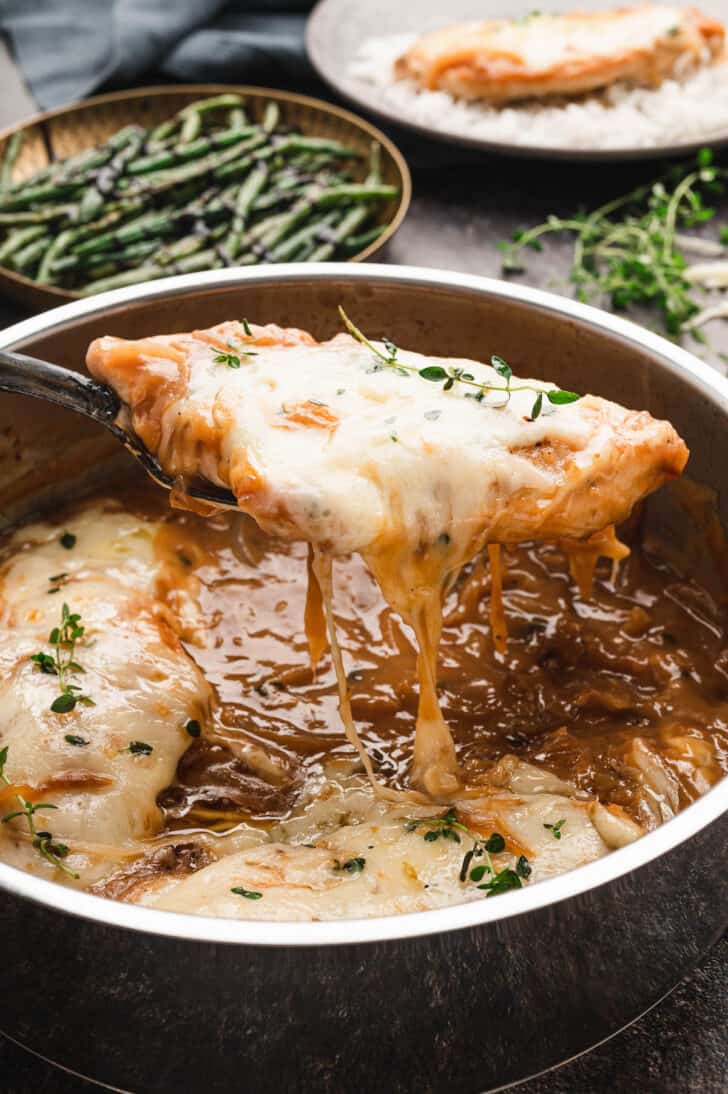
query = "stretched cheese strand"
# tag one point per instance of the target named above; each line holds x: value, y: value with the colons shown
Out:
x: 321, y: 567
x: 498, y: 624
x: 583, y: 556
x: 314, y: 620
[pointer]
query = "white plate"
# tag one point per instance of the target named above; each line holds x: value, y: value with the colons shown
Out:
x: 337, y: 29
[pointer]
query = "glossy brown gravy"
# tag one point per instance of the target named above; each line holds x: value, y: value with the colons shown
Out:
x: 582, y: 687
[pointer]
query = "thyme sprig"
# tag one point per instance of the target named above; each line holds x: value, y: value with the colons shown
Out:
x: 626, y: 251
x: 448, y: 827
x: 232, y: 357
x: 42, y: 840
x: 452, y: 375
x: 63, y: 664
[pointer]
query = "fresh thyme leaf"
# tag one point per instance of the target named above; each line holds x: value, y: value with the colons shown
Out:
x: 432, y: 415
x: 232, y: 357
x: 74, y: 739
x: 64, y: 704
x: 246, y: 328
x: 63, y: 664
x: 435, y: 373
x: 68, y: 540
x: 391, y: 349
x: 523, y: 867
x: 393, y: 437
x: 193, y: 727
x: 138, y: 748
x: 351, y: 866
x: 41, y: 841
x: 448, y: 377
x: 45, y: 663
x: 449, y: 827
x: 559, y: 398
x: 556, y: 828
x: 502, y: 882
x: 249, y: 894
x: 501, y: 367
x: 495, y: 844
x: 536, y: 409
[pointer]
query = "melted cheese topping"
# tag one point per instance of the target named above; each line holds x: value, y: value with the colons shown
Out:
x: 322, y: 442
x: 142, y: 683
x: 563, y: 54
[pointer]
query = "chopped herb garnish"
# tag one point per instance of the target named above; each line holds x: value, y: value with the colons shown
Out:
x: 249, y: 894
x: 74, y: 739
x: 449, y: 827
x: 502, y: 882
x: 523, y: 867
x: 351, y: 866
x: 555, y: 829
x: 246, y: 328
x: 68, y: 540
x: 393, y: 437
x: 63, y: 639
x: 193, y: 727
x: 138, y: 748
x: 42, y: 840
x: 449, y: 377
x: 232, y: 358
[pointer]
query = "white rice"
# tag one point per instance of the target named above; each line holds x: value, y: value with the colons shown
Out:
x: 674, y: 113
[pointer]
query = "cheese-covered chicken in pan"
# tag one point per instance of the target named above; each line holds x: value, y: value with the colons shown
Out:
x: 95, y: 688
x: 503, y: 60
x: 415, y: 462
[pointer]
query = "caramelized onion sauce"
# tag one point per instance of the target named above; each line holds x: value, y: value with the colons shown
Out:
x: 591, y: 687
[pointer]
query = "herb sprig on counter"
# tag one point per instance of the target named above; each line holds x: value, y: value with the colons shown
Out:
x: 628, y: 250
x: 448, y: 377
x: 41, y: 839
x: 448, y: 827
x: 62, y: 663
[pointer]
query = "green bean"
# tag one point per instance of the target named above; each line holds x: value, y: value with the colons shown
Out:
x: 12, y: 151
x: 348, y: 224
x: 237, y: 118
x: 157, y: 183
x: 286, y: 250
x: 355, y: 192
x: 36, y: 216
x: 161, y: 132
x: 271, y: 116
x: 56, y: 249
x: 357, y: 243
x: 90, y: 206
x: 191, y: 127
x: 36, y: 195
x: 19, y: 238
x: 28, y: 257
x: 181, y: 153
x: 217, y: 102
x: 247, y: 195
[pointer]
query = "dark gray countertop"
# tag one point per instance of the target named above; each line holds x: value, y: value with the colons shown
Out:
x: 462, y: 207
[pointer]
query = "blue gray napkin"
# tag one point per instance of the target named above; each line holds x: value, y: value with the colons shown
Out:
x: 71, y: 48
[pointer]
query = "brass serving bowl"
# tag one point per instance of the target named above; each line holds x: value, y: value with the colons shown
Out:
x: 56, y: 134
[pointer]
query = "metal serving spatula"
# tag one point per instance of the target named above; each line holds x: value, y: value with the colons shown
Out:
x: 25, y: 375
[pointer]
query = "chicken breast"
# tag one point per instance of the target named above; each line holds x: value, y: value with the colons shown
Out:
x: 380, y: 862
x: 100, y: 760
x: 415, y: 462
x: 541, y: 55
x: 326, y: 443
